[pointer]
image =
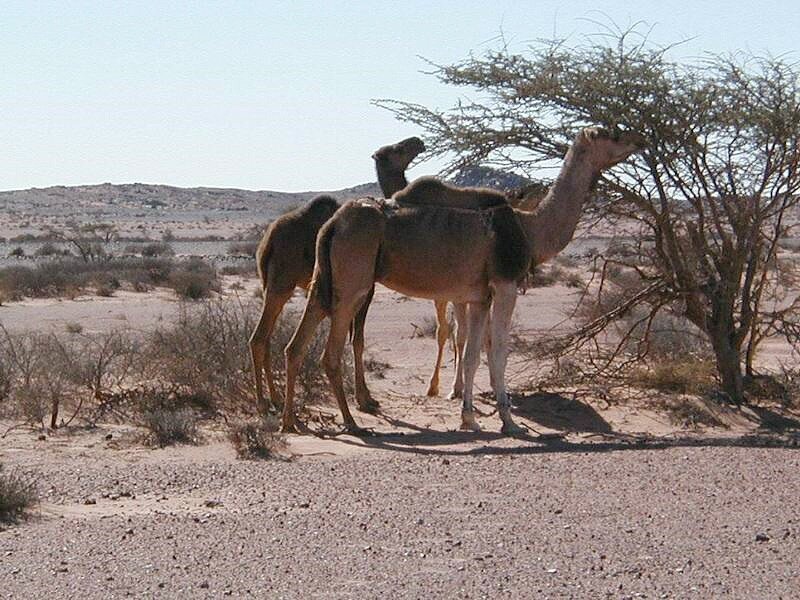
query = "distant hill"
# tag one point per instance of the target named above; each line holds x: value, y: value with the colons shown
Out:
x: 478, y: 176
x: 147, y: 209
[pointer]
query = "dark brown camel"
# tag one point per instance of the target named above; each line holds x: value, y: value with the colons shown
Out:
x: 285, y: 261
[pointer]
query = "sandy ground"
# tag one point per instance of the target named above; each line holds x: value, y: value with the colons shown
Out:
x: 599, y: 500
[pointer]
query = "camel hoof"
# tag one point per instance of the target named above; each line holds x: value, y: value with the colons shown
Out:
x: 432, y: 391
x: 511, y: 428
x: 357, y: 431
x: 454, y: 395
x: 468, y: 422
x: 370, y: 405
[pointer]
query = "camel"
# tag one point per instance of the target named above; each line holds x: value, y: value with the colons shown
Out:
x: 475, y: 257
x: 285, y: 261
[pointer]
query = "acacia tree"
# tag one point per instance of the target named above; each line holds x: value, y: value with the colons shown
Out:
x: 711, y: 197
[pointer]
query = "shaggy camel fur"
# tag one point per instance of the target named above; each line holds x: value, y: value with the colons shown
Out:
x: 285, y: 260
x: 464, y: 256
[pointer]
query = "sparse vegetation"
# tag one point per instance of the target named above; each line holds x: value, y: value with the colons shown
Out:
x: 18, y: 494
x: 190, y: 279
x: 170, y: 426
x: 257, y: 438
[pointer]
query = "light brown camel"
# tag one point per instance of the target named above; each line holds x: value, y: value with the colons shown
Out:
x: 464, y: 256
x: 427, y: 191
x: 285, y: 261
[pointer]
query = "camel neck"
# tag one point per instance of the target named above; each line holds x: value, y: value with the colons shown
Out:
x: 391, y: 181
x: 551, y: 226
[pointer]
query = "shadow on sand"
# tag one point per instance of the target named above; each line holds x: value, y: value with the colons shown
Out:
x: 566, y: 415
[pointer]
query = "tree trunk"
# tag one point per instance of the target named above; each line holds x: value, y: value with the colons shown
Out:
x: 729, y: 366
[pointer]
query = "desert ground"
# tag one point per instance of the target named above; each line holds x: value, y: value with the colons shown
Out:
x: 606, y: 496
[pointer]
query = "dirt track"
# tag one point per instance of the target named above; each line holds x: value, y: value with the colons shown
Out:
x: 421, y: 515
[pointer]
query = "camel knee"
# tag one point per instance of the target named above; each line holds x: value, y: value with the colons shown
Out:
x: 331, y: 362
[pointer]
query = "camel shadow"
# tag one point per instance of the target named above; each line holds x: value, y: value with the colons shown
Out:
x: 558, y: 412
x: 566, y: 415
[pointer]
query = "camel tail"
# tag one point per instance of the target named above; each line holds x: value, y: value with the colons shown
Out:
x: 322, y: 285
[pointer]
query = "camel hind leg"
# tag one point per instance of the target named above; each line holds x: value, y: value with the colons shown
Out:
x: 366, y: 402
x: 295, y: 353
x: 442, y: 335
x: 260, y: 346
x: 341, y: 319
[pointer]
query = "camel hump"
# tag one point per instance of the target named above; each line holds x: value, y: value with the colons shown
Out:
x: 512, y: 256
x: 430, y: 191
x: 323, y: 206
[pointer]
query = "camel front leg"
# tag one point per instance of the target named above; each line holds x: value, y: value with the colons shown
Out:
x: 476, y: 322
x: 295, y: 353
x: 460, y: 314
x: 364, y: 399
x: 442, y: 335
x: 260, y: 346
x: 503, y: 302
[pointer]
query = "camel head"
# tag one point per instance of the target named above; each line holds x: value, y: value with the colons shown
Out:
x: 398, y: 156
x: 607, y: 148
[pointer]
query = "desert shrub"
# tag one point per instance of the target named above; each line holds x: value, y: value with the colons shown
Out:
x: 256, y: 438
x: 18, y: 493
x: 17, y: 252
x: 246, y: 268
x: 59, y: 278
x: 157, y: 249
x: 205, y: 351
x: 38, y: 370
x: 376, y: 367
x: 169, y: 426
x: 73, y: 327
x: 51, y: 249
x: 690, y: 376
x: 426, y: 327
x: 194, y: 280
x: 243, y: 248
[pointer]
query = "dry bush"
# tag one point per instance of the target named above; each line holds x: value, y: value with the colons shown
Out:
x: 257, y: 438
x: 243, y: 248
x: 38, y: 369
x: 18, y: 494
x: 155, y: 249
x: 376, y: 367
x: 204, y: 353
x: 194, y: 280
x: 59, y: 278
x: 169, y: 426
x: 682, y: 376
x: 241, y: 267
x: 426, y: 328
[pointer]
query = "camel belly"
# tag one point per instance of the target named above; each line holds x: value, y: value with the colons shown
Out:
x: 435, y: 258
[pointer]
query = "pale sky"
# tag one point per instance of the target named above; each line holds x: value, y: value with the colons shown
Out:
x: 276, y: 95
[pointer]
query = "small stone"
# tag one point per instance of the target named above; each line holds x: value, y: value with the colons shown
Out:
x: 552, y: 571
x: 445, y: 461
x: 42, y: 438
x: 212, y: 503
x: 762, y: 537
x: 109, y: 437
x: 204, y: 585
x: 129, y: 531
x: 88, y: 501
